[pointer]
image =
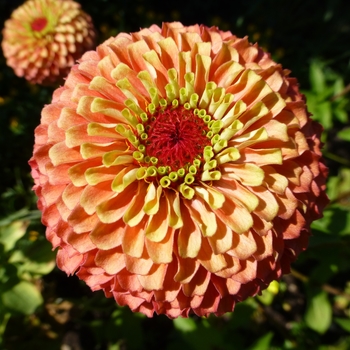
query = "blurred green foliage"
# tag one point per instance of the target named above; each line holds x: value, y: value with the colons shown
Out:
x: 41, y: 308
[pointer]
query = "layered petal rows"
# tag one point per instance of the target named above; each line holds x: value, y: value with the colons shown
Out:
x: 43, y: 39
x: 178, y: 170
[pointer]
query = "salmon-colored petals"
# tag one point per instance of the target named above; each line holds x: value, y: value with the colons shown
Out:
x: 108, y: 236
x: 71, y: 196
x: 161, y: 252
x: 51, y: 193
x: 94, y: 277
x: 158, y: 223
x: 82, y: 221
x: 177, y: 170
x: 134, y: 239
x: 235, y: 216
x: 243, y: 246
x: 61, y: 154
x: 221, y: 241
x: 291, y: 229
x: 81, y: 242
x: 187, y: 268
x: 232, y: 267
x: 113, y: 209
x: 67, y: 262
x: 154, y: 279
x: 141, y: 265
x: 128, y: 282
x: 198, y: 284
x: 170, y: 293
x: 189, y: 237
x: 111, y: 261
x: 204, y: 217
x: 247, y: 272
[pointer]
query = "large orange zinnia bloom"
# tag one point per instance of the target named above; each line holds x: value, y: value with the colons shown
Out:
x: 178, y: 170
x: 43, y: 39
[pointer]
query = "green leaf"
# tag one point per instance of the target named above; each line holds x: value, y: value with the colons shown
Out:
x: 185, y: 324
x: 332, y: 187
x: 335, y: 221
x: 4, y: 318
x: 343, y: 323
x: 338, y: 85
x: 262, y: 343
x: 25, y: 264
x: 317, y: 78
x: 24, y: 297
x: 323, y: 113
x: 318, y: 315
x: 341, y: 115
x: 344, y: 134
x: 267, y: 296
x: 11, y: 233
x: 21, y: 215
x: 36, y: 258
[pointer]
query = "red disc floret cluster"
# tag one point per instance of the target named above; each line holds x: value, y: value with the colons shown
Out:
x: 176, y: 137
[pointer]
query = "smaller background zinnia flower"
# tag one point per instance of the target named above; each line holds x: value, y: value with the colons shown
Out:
x: 44, y: 38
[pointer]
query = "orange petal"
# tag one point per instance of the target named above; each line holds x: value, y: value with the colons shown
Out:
x: 243, y: 246
x: 221, y: 241
x: 138, y: 266
x: 114, y: 209
x: 260, y: 157
x: 189, y: 238
x: 171, y: 286
x: 129, y: 282
x: 61, y: 154
x: 81, y: 221
x: 235, y: 216
x: 77, y: 172
x: 202, y: 72
x: 232, y: 267
x: 134, y: 238
x: 92, y: 196
x: 169, y: 53
x: 268, y: 206
x: 234, y: 190
x: 81, y: 242
x: 68, y: 263
x: 204, y: 217
x: 247, y: 273
x: 71, y: 196
x: 155, y: 279
x: 51, y: 193
x: 186, y: 269
x: 108, y: 236
x: 112, y: 261
x: 248, y: 174
x: 264, y: 246
x: 161, y: 252
x: 175, y: 217
x: 135, y: 213
x: 212, y: 262
x: 198, y: 284
x: 158, y: 224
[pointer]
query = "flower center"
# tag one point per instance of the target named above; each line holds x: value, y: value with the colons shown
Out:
x: 174, y: 144
x: 176, y: 137
x: 39, y: 24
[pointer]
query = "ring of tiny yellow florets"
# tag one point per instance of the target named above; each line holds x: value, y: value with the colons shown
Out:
x: 202, y: 168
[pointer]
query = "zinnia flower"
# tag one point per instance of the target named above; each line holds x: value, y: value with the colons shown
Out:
x: 178, y: 170
x: 43, y: 39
